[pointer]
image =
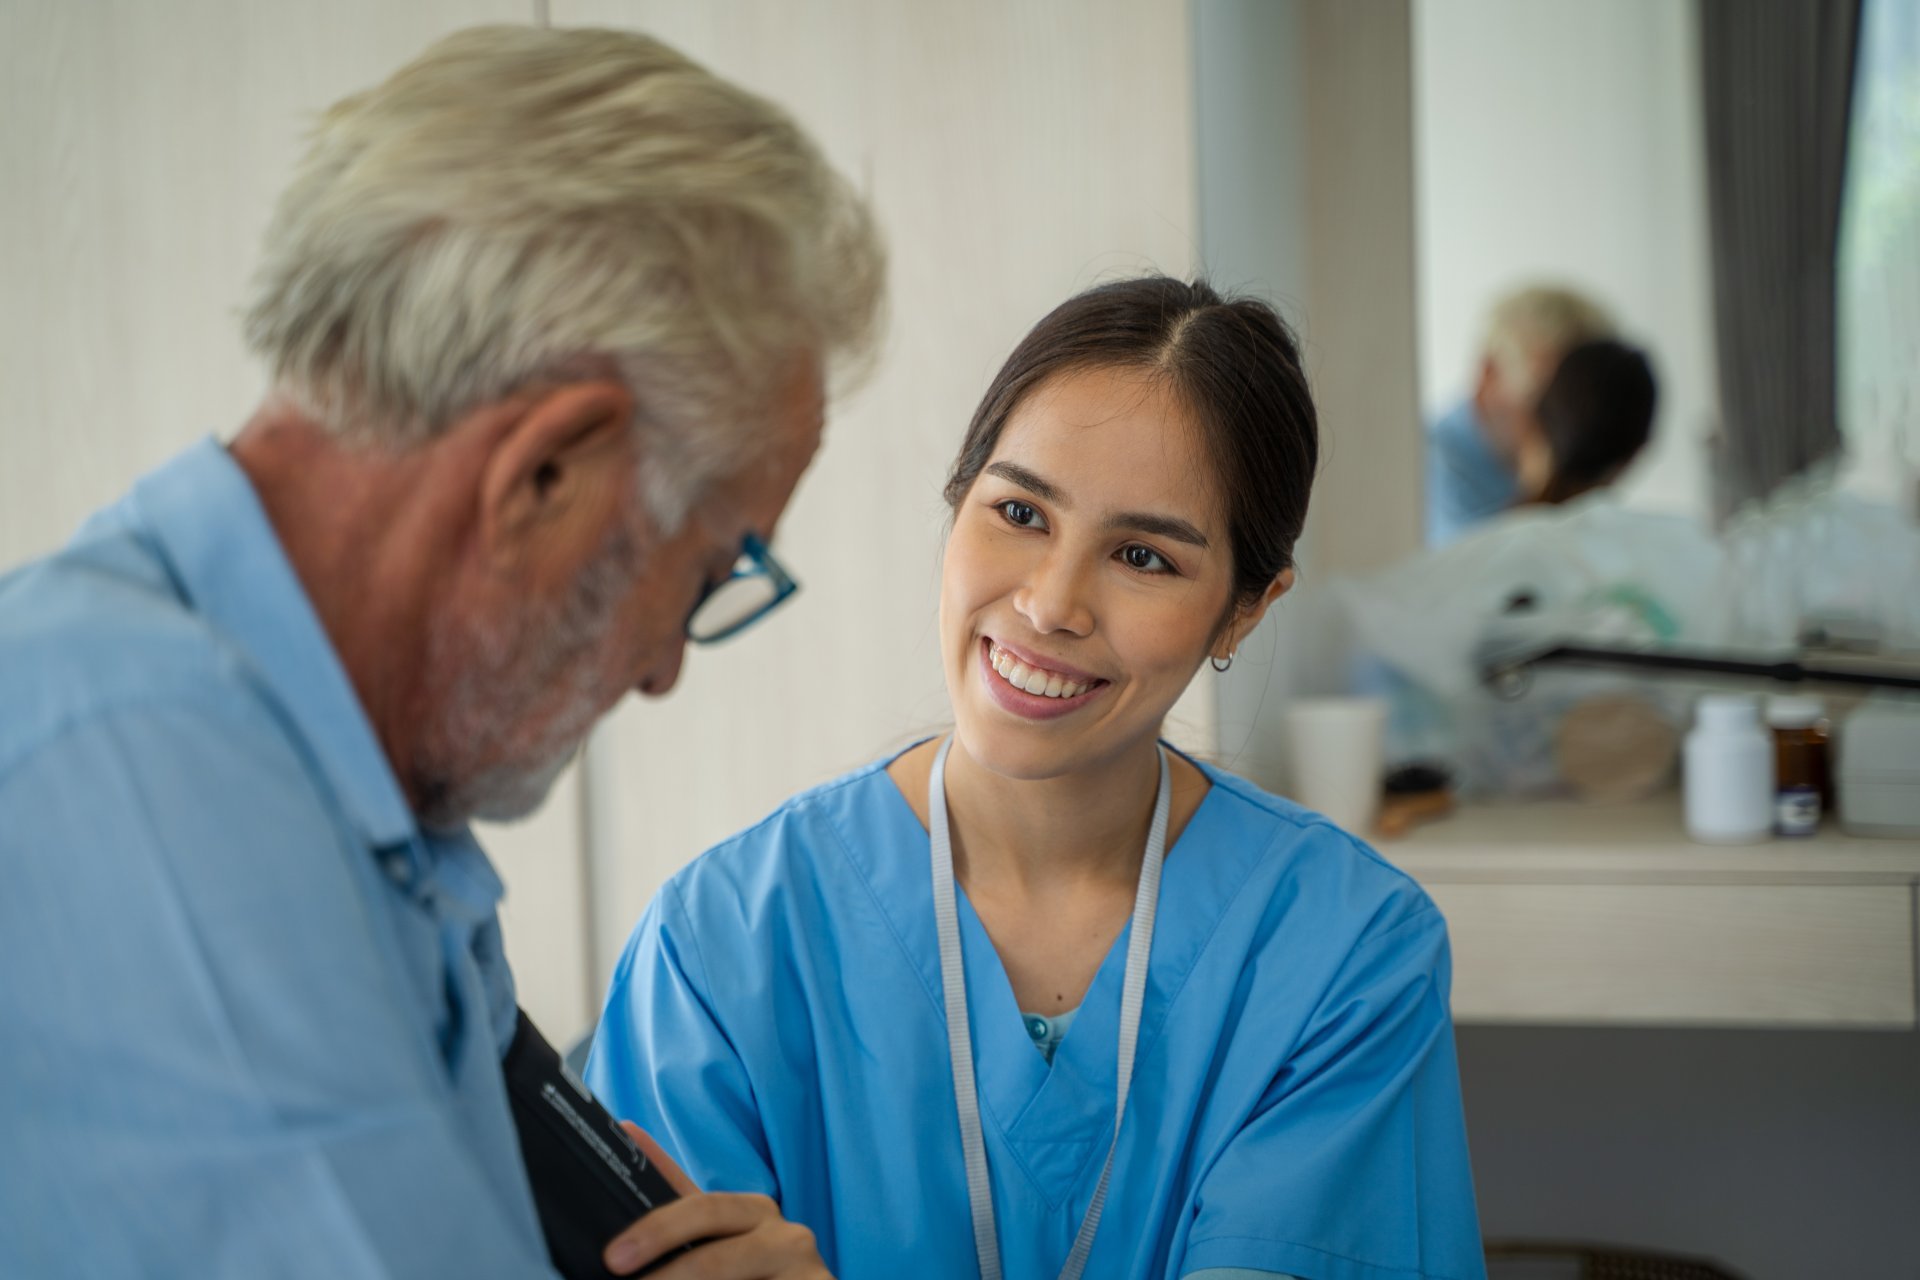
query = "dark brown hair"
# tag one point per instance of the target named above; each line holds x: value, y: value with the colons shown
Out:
x: 1235, y: 365
x: 1597, y: 414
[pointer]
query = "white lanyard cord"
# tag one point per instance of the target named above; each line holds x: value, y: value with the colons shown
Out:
x: 953, y: 978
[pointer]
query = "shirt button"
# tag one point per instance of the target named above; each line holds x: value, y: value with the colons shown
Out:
x: 398, y: 868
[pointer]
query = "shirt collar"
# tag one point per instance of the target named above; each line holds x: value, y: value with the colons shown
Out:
x: 207, y: 523
x: 463, y: 883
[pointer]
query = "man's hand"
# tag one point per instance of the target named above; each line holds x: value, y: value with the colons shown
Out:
x: 745, y: 1238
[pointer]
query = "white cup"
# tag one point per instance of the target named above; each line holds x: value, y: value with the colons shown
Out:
x: 1335, y: 748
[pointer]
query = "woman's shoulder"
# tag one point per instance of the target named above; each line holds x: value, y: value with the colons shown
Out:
x: 1323, y: 868
x: 810, y: 833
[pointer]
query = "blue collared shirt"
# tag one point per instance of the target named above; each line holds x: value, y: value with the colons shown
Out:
x: 251, y: 1015
x: 1467, y: 482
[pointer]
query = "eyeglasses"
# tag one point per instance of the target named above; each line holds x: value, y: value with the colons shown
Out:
x: 758, y: 585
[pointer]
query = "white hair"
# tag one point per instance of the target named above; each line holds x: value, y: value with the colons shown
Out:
x: 518, y: 204
x: 1529, y: 329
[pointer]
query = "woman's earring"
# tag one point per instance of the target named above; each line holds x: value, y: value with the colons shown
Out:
x: 1222, y: 666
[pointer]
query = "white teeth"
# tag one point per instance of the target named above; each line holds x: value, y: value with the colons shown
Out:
x: 1046, y: 684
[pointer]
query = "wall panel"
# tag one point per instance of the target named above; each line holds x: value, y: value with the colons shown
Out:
x: 1015, y: 153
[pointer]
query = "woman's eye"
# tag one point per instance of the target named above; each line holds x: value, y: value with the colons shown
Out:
x: 1145, y: 559
x: 1021, y: 514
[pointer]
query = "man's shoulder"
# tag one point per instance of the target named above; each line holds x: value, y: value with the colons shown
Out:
x: 98, y: 629
x: 1457, y: 423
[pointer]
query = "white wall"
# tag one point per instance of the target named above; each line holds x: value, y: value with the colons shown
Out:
x: 1561, y: 139
x: 143, y: 146
x: 1306, y: 176
x: 1015, y: 153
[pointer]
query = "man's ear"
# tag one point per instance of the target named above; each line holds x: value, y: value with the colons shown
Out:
x: 560, y: 470
x: 1245, y: 620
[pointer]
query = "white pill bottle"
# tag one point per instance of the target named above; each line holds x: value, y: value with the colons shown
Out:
x: 1728, y: 772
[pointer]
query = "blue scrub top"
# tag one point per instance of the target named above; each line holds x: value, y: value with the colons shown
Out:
x: 777, y: 1022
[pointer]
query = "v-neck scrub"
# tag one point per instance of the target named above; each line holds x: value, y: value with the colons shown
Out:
x: 777, y: 1022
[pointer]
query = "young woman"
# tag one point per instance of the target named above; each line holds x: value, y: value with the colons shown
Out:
x: 910, y: 1005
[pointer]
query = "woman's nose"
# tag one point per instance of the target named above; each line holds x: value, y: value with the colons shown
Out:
x: 1055, y: 597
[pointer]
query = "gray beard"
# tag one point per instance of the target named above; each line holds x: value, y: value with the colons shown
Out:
x: 510, y: 794
x: 480, y: 764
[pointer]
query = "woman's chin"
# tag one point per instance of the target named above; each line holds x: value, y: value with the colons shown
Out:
x: 1035, y: 753
x: 1017, y: 751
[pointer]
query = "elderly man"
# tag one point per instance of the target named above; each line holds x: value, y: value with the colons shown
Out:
x: 1473, y: 450
x: 549, y: 317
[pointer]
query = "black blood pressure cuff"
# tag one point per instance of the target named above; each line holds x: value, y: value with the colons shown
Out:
x: 589, y: 1180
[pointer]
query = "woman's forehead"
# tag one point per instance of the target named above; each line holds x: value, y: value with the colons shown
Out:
x: 1114, y: 439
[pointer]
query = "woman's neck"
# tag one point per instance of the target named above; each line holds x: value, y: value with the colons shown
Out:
x: 1051, y: 866
x: 1031, y: 837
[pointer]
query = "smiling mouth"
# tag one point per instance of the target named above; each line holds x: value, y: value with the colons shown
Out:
x: 1037, y: 681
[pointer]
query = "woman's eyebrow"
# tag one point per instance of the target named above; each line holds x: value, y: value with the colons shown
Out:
x: 1029, y: 481
x: 1126, y: 521
x: 1160, y: 526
